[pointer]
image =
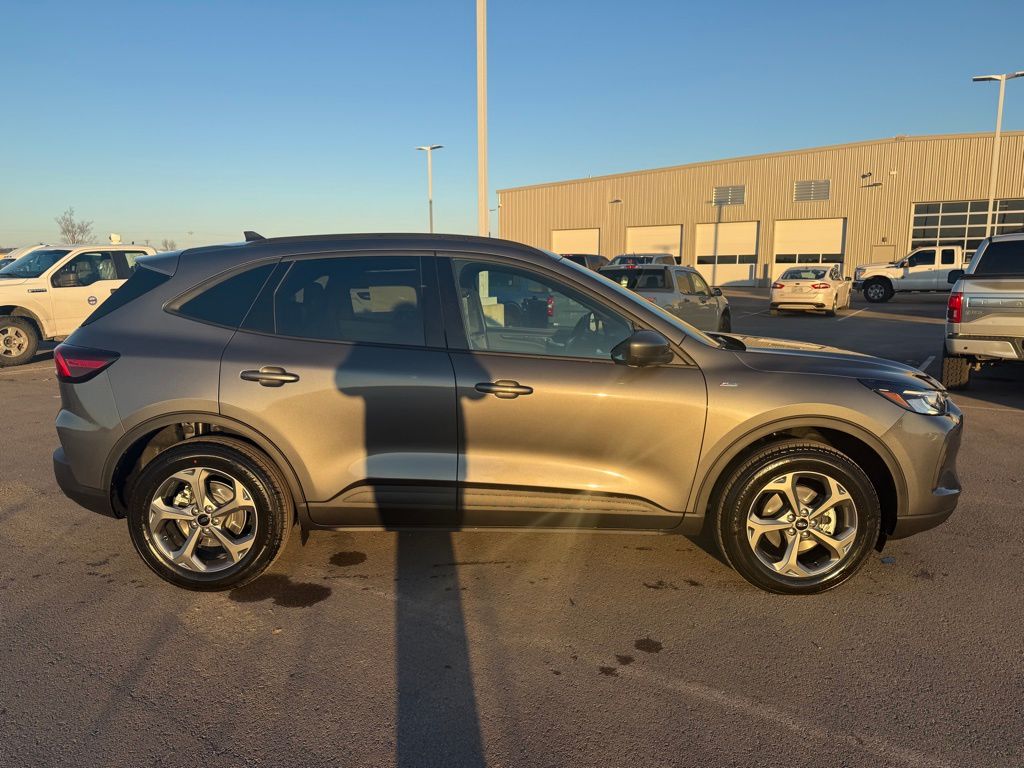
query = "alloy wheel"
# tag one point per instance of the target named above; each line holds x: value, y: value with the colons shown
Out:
x: 802, y: 524
x: 202, y: 520
x: 875, y: 292
x: 13, y: 341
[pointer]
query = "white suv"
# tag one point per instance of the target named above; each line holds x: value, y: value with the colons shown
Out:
x: 47, y: 293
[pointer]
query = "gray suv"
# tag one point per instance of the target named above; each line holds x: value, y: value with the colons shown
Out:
x: 393, y: 381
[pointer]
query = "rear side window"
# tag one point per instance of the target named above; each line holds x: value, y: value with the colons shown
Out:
x: 369, y: 299
x: 226, y: 301
x: 140, y: 283
x: 1002, y: 258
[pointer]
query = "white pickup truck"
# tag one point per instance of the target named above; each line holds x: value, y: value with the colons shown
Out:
x: 985, y: 312
x: 923, y: 269
x: 48, y: 292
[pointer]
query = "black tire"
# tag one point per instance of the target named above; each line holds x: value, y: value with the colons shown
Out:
x: 725, y: 323
x: 19, y: 340
x: 832, y: 312
x: 744, y: 486
x: 773, y: 312
x: 878, y: 291
x: 274, y: 509
x: 956, y: 372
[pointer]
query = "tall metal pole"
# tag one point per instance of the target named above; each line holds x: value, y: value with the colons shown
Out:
x: 481, y: 117
x: 994, y: 174
x: 430, y: 188
x: 714, y: 263
x: 429, y: 149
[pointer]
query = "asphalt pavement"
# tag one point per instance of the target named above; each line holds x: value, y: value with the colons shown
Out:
x: 521, y: 649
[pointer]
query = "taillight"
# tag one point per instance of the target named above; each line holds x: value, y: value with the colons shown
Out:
x: 551, y: 306
x: 78, y: 364
x: 820, y: 286
x: 955, y: 307
x: 778, y: 285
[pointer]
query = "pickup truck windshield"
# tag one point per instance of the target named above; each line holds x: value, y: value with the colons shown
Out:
x: 33, y: 264
x: 642, y: 279
x: 1002, y: 258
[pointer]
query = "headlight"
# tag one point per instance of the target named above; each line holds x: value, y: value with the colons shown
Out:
x: 931, y: 402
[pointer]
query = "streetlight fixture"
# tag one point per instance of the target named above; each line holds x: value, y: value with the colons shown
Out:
x: 1001, y: 79
x: 429, y: 149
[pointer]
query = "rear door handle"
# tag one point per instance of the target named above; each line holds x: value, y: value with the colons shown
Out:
x: 270, y: 376
x: 505, y: 389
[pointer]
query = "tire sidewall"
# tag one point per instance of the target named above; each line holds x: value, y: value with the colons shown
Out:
x: 886, y: 291
x: 744, y: 490
x: 270, y: 514
x: 9, y: 321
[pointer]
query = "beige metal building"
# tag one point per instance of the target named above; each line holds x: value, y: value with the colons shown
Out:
x: 742, y: 221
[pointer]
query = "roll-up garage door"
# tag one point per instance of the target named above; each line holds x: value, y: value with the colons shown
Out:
x: 808, y: 241
x: 659, y: 239
x: 736, y: 261
x: 576, y: 240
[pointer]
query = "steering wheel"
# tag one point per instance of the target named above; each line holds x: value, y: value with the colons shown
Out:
x: 588, y: 326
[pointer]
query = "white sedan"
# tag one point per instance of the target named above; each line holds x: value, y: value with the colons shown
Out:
x: 814, y: 288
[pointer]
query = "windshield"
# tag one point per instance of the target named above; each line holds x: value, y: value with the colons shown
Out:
x: 33, y: 264
x: 642, y: 279
x: 803, y: 274
x: 626, y: 295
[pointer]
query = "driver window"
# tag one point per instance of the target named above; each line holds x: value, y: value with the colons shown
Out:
x: 922, y: 259
x: 511, y: 310
x: 86, y: 269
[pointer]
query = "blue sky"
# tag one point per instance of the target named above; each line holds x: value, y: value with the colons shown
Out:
x: 154, y: 119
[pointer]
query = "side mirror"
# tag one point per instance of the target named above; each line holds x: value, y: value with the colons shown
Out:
x: 954, y: 276
x: 716, y: 291
x: 643, y: 348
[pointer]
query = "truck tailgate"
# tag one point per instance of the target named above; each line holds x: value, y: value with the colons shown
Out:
x: 993, y: 307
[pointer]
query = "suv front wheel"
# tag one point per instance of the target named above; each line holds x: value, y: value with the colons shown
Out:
x: 210, y: 513
x: 797, y: 518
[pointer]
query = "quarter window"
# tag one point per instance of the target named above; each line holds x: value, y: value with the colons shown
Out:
x: 510, y: 310
x: 227, y: 300
x: 369, y: 299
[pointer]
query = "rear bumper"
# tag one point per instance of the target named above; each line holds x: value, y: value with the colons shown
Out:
x: 930, y: 445
x: 93, y: 499
x: 807, y: 305
x: 991, y: 347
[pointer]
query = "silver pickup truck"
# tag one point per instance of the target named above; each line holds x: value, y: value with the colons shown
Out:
x: 985, y: 313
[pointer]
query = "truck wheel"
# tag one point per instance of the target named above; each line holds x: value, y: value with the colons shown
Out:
x: 18, y: 341
x: 956, y: 372
x: 878, y: 291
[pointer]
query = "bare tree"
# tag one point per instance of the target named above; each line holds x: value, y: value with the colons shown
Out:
x: 71, y: 229
x: 168, y: 245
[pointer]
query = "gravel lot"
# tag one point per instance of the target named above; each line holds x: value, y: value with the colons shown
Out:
x: 520, y: 649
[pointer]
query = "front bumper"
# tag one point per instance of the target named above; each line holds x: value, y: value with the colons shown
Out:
x: 93, y: 499
x: 927, y: 448
x: 858, y: 285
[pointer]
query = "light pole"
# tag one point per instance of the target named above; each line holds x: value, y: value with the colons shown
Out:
x: 429, y: 149
x: 1001, y: 79
x: 481, y: 117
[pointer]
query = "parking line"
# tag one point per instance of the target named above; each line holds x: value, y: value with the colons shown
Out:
x: 847, y: 317
x: 927, y: 361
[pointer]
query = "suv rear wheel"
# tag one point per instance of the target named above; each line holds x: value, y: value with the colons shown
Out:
x: 797, y: 518
x: 18, y: 340
x: 211, y: 513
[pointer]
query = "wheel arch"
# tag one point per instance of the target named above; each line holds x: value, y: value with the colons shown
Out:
x: 861, y: 446
x: 139, y: 445
x: 14, y: 310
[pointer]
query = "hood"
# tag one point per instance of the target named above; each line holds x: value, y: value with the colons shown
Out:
x: 784, y: 356
x: 11, y: 282
x: 878, y: 265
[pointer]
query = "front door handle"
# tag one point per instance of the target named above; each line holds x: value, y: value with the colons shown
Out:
x: 505, y: 389
x: 270, y: 376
